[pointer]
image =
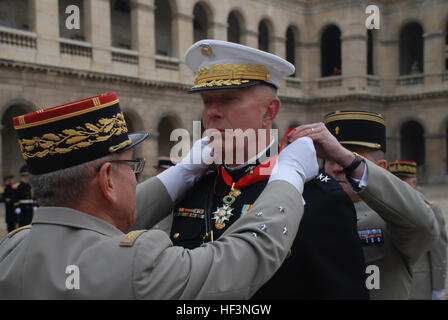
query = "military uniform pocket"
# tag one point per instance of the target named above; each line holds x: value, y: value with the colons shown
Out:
x: 188, y: 228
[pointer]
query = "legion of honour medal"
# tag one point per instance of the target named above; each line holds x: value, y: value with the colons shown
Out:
x: 224, y: 213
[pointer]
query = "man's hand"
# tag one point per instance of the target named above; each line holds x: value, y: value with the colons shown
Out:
x: 326, y: 145
x: 297, y: 163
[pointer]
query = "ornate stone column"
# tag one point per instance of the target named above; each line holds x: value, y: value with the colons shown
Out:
x: 434, y: 57
x: 143, y: 35
x: 99, y: 33
x: 47, y: 30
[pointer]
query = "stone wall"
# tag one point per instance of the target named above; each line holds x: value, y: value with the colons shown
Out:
x: 40, y: 67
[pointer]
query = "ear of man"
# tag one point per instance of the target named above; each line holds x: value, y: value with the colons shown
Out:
x: 107, y: 184
x: 271, y: 103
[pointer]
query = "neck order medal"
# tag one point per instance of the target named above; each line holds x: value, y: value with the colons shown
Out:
x: 224, y: 213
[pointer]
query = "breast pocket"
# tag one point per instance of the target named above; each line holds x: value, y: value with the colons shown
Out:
x: 188, y: 228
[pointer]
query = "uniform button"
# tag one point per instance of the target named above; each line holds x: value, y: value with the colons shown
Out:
x: 254, y: 234
x: 259, y: 214
x: 282, y: 209
x: 285, y: 230
x: 176, y: 235
x: 263, y: 227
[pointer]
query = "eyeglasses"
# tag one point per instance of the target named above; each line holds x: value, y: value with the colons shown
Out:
x: 137, y: 164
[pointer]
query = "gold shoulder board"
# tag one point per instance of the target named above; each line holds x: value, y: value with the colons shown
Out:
x: 13, y: 232
x: 2, y: 190
x: 16, y: 185
x: 129, y: 239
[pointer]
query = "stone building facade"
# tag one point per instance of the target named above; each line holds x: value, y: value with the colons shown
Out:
x: 136, y: 48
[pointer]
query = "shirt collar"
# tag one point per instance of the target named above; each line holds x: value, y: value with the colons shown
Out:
x: 252, y: 160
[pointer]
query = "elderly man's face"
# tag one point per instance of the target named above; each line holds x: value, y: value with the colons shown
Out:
x: 243, y: 109
x: 125, y: 177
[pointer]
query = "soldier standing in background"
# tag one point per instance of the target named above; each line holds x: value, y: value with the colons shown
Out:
x: 430, y: 270
x: 395, y: 222
x: 8, y: 196
x: 25, y: 199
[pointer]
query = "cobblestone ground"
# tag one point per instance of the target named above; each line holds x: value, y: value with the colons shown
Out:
x: 436, y: 193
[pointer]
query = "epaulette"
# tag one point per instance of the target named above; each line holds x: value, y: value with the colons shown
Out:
x: 2, y: 190
x: 13, y: 232
x: 16, y: 185
x: 129, y: 239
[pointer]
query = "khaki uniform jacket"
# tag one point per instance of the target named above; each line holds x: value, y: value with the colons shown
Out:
x: 408, y: 227
x: 430, y: 269
x: 34, y: 263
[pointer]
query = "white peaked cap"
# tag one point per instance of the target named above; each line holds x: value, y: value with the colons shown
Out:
x: 223, y: 65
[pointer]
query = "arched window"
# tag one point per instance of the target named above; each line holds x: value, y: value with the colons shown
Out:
x: 413, y: 142
x: 121, y: 23
x: 16, y: 14
x: 234, y: 28
x: 134, y: 123
x: 64, y: 32
x: 12, y: 158
x: 411, y: 49
x: 370, y: 52
x: 291, y: 48
x: 200, y: 23
x: 163, y: 18
x: 166, y: 125
x: 263, y: 37
x: 331, y: 52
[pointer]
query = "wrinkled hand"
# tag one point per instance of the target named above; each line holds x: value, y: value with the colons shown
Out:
x: 326, y: 145
x: 297, y: 163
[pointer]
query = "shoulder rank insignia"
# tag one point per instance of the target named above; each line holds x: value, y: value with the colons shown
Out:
x: 129, y: 239
x: 371, y: 236
x: 323, y: 178
x: 16, y: 186
x: 190, y: 213
x: 13, y: 232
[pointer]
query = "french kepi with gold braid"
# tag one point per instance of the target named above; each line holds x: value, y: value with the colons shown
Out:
x: 226, y: 65
x: 403, y: 168
x: 358, y: 128
x: 73, y: 133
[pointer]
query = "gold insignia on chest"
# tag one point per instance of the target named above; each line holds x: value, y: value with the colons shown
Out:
x: 221, y: 215
x: 224, y: 213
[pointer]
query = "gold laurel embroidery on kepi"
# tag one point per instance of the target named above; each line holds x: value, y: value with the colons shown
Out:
x: 71, y: 139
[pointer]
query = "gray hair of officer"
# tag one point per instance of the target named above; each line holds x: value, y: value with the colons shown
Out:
x: 66, y: 186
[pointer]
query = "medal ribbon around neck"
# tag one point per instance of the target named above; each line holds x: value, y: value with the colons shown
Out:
x: 224, y: 213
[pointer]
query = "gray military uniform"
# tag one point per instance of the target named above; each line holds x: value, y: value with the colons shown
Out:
x: 145, y: 265
x: 408, y: 228
x: 430, y: 269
